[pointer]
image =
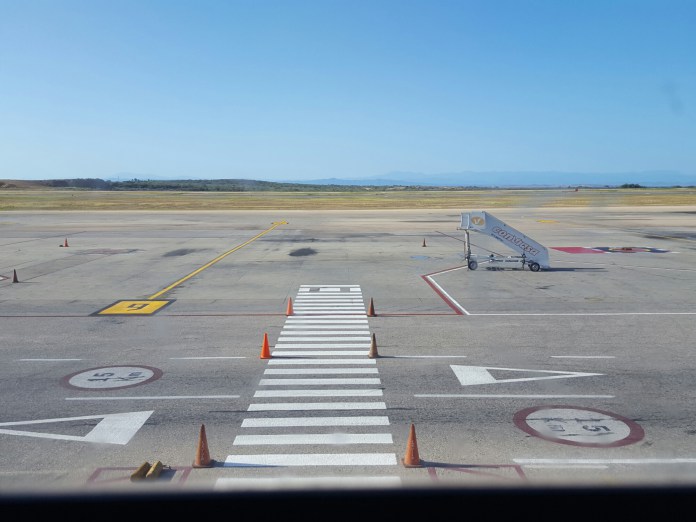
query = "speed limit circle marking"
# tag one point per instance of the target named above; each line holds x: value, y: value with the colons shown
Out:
x: 586, y: 427
x: 111, y: 377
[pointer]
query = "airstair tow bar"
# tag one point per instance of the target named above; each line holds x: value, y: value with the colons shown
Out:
x: 532, y: 253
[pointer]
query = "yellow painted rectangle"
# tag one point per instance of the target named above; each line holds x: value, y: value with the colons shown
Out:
x: 140, y: 307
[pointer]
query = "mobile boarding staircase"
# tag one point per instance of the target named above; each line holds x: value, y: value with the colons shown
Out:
x: 532, y: 254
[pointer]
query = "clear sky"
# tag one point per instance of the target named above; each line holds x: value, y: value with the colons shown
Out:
x: 300, y: 89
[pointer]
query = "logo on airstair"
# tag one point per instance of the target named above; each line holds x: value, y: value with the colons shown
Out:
x: 509, y: 237
x: 478, y: 221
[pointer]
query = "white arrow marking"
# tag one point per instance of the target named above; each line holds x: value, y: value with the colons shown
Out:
x: 472, y: 375
x: 114, y: 428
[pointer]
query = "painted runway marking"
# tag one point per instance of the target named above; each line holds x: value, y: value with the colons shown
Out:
x: 609, y: 462
x: 449, y: 300
x: 329, y: 300
x: 460, y: 310
x: 152, y: 398
x: 300, y: 360
x: 204, y: 358
x: 317, y: 382
x: 47, y: 360
x: 339, y: 297
x: 113, y: 428
x: 110, y: 377
x: 317, y: 393
x: 313, y: 439
x: 366, y: 338
x: 317, y: 333
x: 321, y: 326
x: 219, y: 258
x: 153, y: 304
x: 322, y: 312
x: 583, y: 357
x: 318, y: 371
x: 329, y: 305
x: 585, y: 427
x: 578, y: 314
x: 297, y: 353
x: 327, y: 318
x: 329, y: 288
x: 509, y: 396
x: 304, y: 484
x: 324, y: 345
x: 562, y: 466
x: 283, y: 422
x: 429, y: 356
x: 313, y: 459
x: 134, y: 307
x: 357, y: 307
x: 361, y: 334
x: 300, y: 406
x: 474, y: 375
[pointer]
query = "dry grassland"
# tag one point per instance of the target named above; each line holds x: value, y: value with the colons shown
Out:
x: 79, y: 200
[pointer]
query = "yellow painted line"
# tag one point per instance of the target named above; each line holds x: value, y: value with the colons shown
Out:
x: 134, y: 307
x: 221, y: 256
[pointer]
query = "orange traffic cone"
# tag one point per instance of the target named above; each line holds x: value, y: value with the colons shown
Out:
x: 265, y: 351
x: 14, y: 277
x: 66, y: 242
x: 371, y: 310
x: 411, y: 458
x: 203, y: 459
x: 373, y: 348
x: 289, y: 310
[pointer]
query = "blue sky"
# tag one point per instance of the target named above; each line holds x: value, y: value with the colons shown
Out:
x: 301, y: 90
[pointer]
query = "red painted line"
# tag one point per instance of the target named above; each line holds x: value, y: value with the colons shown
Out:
x: 90, y: 316
x: 222, y: 315
x: 578, y: 250
x: 437, y: 290
x: 94, y: 477
x: 409, y: 314
x: 39, y: 316
x: 478, y: 469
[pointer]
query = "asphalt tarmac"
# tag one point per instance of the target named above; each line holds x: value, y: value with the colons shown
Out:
x: 126, y: 335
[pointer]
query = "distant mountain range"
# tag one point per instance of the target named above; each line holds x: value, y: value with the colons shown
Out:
x: 516, y: 179
x: 532, y: 179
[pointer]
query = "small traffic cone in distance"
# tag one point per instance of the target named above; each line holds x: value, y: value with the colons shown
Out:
x: 203, y: 459
x: 289, y: 309
x: 411, y: 458
x: 14, y: 277
x: 66, y: 242
x: 373, y: 348
x: 423, y: 241
x: 265, y: 350
x: 371, y: 309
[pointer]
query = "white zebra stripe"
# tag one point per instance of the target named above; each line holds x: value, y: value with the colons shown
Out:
x: 300, y: 406
x: 286, y: 422
x: 313, y: 438
x: 259, y: 394
x: 317, y: 382
x: 312, y: 459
